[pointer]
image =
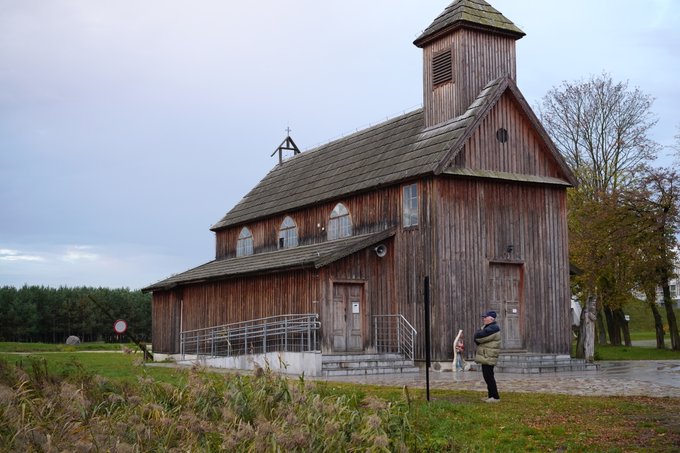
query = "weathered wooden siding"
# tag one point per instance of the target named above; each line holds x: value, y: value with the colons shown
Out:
x: 386, y: 282
x: 523, y: 152
x: 165, y: 319
x: 475, y: 222
x: 370, y: 212
x: 242, y: 299
x: 439, y: 101
x: 377, y: 276
x: 227, y: 301
x: 477, y: 59
x: 465, y: 226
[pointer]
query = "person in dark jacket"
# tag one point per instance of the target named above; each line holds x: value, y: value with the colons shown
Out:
x: 488, y: 340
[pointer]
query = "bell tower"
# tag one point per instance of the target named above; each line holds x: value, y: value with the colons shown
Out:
x: 466, y: 47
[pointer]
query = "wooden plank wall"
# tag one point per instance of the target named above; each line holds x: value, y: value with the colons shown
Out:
x: 370, y: 212
x: 438, y: 103
x: 165, y: 315
x: 484, y: 58
x: 242, y: 299
x: 377, y: 276
x: 473, y: 222
x: 523, y: 153
x: 478, y: 58
x: 233, y: 300
x: 246, y: 298
x: 477, y: 221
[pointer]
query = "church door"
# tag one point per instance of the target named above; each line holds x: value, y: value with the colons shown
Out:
x: 506, y: 300
x: 348, y: 313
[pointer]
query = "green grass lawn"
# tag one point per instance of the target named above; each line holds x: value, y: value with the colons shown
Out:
x: 60, y: 347
x: 607, y: 352
x: 155, y: 407
x: 122, y: 367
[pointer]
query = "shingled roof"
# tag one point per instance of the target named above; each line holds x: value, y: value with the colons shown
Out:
x: 394, y: 151
x: 306, y: 256
x: 390, y: 152
x: 468, y: 13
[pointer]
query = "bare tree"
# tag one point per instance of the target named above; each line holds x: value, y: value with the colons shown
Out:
x: 602, y: 129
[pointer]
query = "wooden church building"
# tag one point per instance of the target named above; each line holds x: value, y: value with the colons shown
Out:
x: 468, y: 191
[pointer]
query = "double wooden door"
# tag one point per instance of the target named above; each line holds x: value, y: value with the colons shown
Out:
x: 506, y: 298
x: 348, y: 311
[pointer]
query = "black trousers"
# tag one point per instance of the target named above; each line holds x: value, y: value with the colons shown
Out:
x: 487, y: 372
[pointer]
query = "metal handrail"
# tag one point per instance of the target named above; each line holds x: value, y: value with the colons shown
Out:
x: 394, y: 334
x: 286, y: 333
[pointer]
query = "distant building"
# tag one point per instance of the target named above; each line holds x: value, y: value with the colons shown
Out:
x: 674, y: 287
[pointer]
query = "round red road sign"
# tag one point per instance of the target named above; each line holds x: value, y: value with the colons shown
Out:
x: 120, y: 326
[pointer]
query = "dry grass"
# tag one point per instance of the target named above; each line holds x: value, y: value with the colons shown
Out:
x: 264, y: 412
x: 106, y: 403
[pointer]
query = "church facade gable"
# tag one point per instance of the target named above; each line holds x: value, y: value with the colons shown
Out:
x: 507, y: 141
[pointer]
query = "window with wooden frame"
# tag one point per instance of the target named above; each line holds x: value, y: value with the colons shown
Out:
x: 244, y: 244
x: 410, y: 205
x: 442, y: 68
x: 340, y: 223
x: 288, y: 235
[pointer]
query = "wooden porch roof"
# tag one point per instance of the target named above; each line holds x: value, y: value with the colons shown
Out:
x: 305, y: 256
x: 468, y: 13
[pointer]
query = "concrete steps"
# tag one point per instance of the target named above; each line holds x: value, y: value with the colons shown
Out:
x: 534, y: 363
x: 364, y: 364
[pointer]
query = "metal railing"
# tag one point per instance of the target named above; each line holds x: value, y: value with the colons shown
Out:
x: 288, y: 333
x: 394, y: 334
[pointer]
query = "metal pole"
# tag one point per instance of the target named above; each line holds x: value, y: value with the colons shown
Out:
x: 427, y: 335
x: 309, y: 334
x: 264, y: 340
x: 375, y: 333
x: 398, y: 334
x: 181, y: 344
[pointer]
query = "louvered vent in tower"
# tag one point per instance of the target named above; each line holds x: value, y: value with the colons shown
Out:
x: 442, y: 71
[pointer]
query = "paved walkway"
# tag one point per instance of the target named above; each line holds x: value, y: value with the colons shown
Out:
x: 625, y: 378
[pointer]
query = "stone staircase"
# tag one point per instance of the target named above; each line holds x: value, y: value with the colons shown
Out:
x: 535, y: 363
x: 363, y: 364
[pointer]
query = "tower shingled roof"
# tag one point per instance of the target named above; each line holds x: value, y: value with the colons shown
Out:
x: 471, y: 13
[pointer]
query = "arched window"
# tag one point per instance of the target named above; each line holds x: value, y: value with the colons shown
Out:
x: 340, y: 223
x: 244, y: 244
x: 288, y: 236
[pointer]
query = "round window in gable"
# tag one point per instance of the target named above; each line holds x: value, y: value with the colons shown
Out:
x: 502, y: 135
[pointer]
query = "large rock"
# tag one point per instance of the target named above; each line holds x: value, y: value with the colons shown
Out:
x: 72, y: 340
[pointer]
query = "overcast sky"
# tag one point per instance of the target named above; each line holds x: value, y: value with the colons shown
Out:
x: 129, y: 127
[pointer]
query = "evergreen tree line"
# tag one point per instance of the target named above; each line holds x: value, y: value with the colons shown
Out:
x: 50, y: 315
